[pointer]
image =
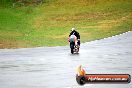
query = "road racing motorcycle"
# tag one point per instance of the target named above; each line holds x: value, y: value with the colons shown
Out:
x: 73, y: 44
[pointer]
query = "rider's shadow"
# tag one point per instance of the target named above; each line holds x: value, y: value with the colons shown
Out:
x: 75, y: 54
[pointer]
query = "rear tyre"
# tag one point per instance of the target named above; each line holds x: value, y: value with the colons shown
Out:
x: 72, y: 51
x: 72, y: 47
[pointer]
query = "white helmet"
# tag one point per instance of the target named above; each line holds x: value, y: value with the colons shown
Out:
x: 73, y: 29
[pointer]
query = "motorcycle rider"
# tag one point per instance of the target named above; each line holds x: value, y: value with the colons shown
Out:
x: 74, y: 32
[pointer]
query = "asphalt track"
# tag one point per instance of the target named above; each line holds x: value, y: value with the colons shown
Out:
x: 55, y: 67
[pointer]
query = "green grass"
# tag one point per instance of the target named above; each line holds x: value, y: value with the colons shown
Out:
x: 49, y: 24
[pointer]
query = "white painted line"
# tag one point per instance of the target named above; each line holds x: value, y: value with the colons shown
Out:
x: 109, y: 37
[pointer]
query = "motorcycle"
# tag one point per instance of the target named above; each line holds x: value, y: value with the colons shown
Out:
x: 73, y: 44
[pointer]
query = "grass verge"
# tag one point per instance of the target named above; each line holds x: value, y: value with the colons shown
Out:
x: 49, y: 24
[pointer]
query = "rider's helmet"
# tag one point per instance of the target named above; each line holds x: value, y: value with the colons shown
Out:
x: 73, y: 29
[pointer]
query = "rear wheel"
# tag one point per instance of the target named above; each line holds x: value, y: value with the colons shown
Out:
x: 72, y: 47
x: 72, y: 51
